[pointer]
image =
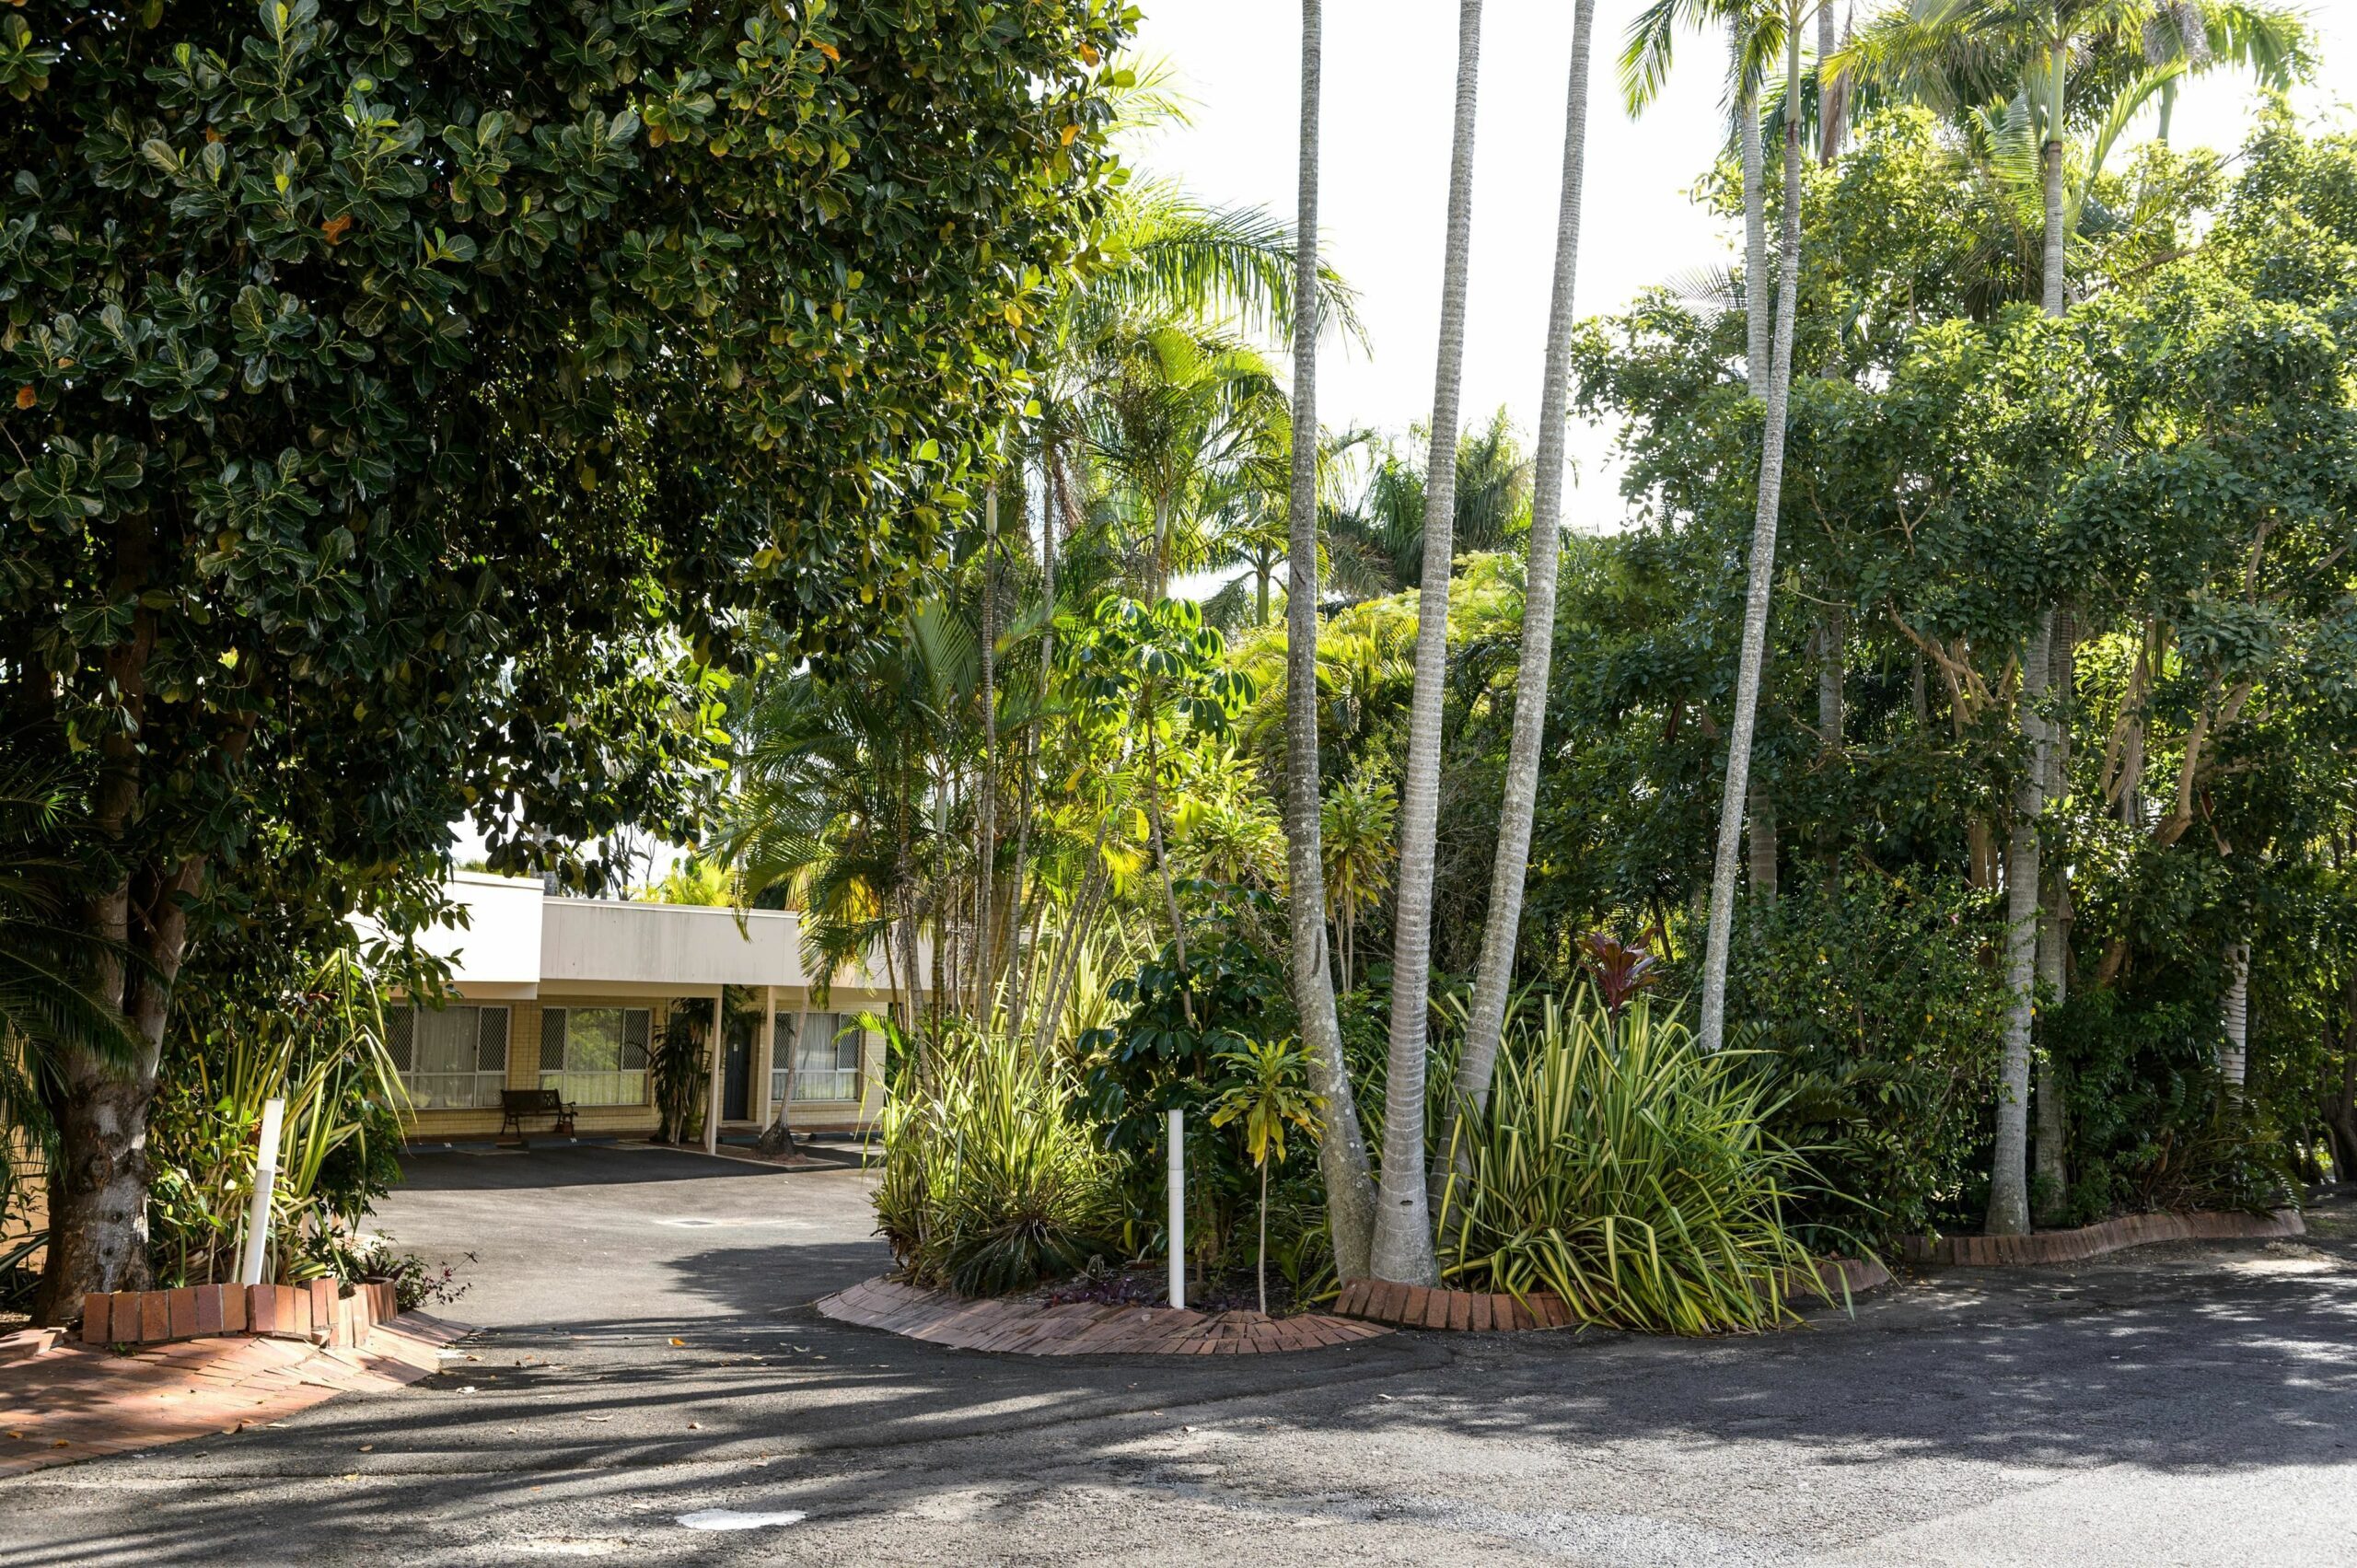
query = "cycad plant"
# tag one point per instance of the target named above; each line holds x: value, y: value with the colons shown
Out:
x: 1628, y: 1173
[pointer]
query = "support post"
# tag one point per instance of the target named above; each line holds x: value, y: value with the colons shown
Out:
x: 1177, y: 1208
x: 712, y: 1111
x: 273, y: 1112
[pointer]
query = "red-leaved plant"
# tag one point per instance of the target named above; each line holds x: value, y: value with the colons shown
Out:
x: 1621, y: 969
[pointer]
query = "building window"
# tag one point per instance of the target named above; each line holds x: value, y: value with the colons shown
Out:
x: 596, y: 1055
x: 825, y: 1056
x: 450, y: 1058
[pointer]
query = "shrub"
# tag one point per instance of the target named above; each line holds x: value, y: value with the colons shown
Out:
x: 1163, y: 1052
x: 320, y: 1046
x: 1634, y: 1176
x: 989, y: 1182
x: 1876, y: 1020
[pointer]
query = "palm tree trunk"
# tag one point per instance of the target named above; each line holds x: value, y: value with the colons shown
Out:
x: 1162, y: 863
x: 1752, y: 658
x: 1755, y: 308
x: 1831, y: 94
x: 2233, y: 1054
x: 2025, y: 858
x: 1759, y: 845
x: 2009, y: 1176
x: 2050, y: 1133
x: 1341, y: 1145
x: 2048, y: 1154
x: 1500, y: 935
x: 1403, y: 1232
x: 986, y: 796
x: 1020, y: 971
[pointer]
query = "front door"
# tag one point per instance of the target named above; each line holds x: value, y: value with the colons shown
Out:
x: 736, y: 1077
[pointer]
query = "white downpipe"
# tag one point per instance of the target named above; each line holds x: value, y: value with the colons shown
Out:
x: 1177, y: 1208
x: 273, y: 1111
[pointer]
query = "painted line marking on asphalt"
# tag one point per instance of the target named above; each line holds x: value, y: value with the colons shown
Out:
x: 735, y: 1519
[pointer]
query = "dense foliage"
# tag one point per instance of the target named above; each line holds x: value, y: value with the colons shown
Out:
x: 413, y: 409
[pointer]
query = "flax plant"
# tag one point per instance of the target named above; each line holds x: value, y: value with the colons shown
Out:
x: 988, y: 1184
x: 1631, y: 1174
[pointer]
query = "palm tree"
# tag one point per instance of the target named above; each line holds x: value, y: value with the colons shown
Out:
x: 1499, y: 936
x: 1356, y: 826
x: 1403, y: 1231
x: 1376, y: 546
x: 1185, y: 421
x: 1752, y: 655
x: 1341, y: 1148
x: 1645, y: 61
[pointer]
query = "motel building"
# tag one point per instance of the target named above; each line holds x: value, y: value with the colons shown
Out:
x: 571, y: 995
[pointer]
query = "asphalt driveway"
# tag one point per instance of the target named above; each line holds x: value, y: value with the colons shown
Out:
x: 648, y: 1354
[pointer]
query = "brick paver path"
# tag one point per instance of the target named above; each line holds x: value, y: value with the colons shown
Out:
x: 66, y: 1403
x: 1082, y: 1328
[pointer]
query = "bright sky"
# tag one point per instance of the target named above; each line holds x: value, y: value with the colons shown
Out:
x: 1389, y: 66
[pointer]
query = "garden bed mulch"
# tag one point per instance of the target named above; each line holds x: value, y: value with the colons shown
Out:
x: 2093, y: 1241
x: 1033, y: 1326
x: 1418, y: 1307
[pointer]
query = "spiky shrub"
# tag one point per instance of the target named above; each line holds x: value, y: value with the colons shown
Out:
x: 1630, y: 1174
x: 990, y: 1182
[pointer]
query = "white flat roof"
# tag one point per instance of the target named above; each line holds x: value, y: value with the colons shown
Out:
x: 517, y: 939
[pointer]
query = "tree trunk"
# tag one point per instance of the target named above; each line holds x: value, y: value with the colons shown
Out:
x: 1162, y: 864
x: 1341, y: 1145
x: 1021, y: 991
x: 1831, y: 638
x: 1832, y: 94
x: 97, y: 1194
x: 2009, y: 1176
x: 1760, y: 845
x: 2234, y: 1050
x: 777, y: 1140
x: 1500, y: 934
x: 1261, y: 1272
x: 1756, y: 304
x: 2341, y: 1108
x: 2009, y: 1179
x: 1712, y: 1032
x: 986, y: 796
x: 2054, y: 931
x: 1403, y: 1232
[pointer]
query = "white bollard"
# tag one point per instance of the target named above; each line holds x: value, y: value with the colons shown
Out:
x: 265, y: 1189
x: 1177, y: 1208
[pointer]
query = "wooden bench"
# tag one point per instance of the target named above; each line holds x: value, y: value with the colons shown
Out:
x: 515, y: 1105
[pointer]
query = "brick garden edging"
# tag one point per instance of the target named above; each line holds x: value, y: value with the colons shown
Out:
x: 2111, y: 1236
x: 1481, y: 1312
x: 1423, y: 1307
x: 317, y: 1312
x: 1080, y: 1328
